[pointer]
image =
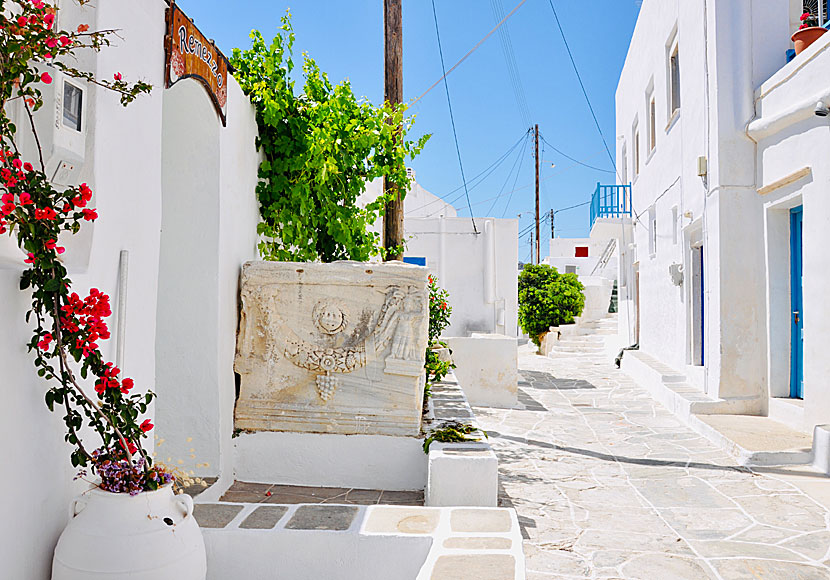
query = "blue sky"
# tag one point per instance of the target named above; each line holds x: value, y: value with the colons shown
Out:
x: 346, y: 39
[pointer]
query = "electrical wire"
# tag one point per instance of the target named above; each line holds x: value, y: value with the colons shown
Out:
x: 472, y: 50
x: 577, y: 161
x: 519, y: 159
x: 510, y: 60
x: 489, y: 170
x: 584, y: 92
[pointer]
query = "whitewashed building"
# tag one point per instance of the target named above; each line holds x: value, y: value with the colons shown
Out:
x: 718, y: 134
x: 186, y: 217
x: 477, y: 266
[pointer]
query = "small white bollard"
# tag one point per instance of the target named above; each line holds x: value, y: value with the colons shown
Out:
x: 462, y: 474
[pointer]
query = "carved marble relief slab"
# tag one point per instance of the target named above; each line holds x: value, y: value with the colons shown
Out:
x: 332, y: 348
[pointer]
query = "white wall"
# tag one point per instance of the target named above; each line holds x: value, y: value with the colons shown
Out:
x: 209, y: 222
x: 478, y: 269
x: 563, y: 254
x: 418, y: 203
x: 124, y: 170
x: 727, y: 47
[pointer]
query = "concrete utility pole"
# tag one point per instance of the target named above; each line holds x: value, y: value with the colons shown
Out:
x: 538, y: 245
x: 393, y: 83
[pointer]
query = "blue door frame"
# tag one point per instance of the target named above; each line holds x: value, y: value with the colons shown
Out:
x: 797, y: 303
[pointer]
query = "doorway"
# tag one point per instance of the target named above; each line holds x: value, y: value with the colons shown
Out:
x: 797, y: 304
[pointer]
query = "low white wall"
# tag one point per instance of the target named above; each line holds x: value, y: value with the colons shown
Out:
x: 597, y: 297
x: 478, y: 269
x: 462, y: 474
x: 487, y: 369
x: 352, y: 461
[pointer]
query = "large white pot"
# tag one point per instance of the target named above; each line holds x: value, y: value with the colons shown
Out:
x: 149, y: 536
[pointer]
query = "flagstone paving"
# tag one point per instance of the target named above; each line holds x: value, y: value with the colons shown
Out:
x: 608, y: 484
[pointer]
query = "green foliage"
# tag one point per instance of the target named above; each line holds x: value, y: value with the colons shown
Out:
x: 451, y: 432
x: 547, y: 298
x: 439, y: 319
x: 320, y: 149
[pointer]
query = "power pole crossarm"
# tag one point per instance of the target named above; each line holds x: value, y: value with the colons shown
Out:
x: 393, y: 84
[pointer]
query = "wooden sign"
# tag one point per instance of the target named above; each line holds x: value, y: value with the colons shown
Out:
x: 189, y: 54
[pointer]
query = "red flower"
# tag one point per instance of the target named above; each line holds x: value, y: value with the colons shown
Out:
x: 90, y: 215
x: 48, y: 20
x: 22, y: 21
x: 47, y: 213
x: 85, y: 191
x: 117, y: 76
x: 25, y: 199
x: 83, y: 27
x: 27, y: 166
x: 30, y: 259
x: 126, y: 385
x: 100, y: 387
x: 805, y: 16
x: 65, y: 40
x: 51, y: 42
x: 17, y: 163
x: 7, y: 208
x: 45, y: 78
x: 146, y: 425
x: 44, y: 344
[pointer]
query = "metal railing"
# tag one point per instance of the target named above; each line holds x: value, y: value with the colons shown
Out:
x: 610, y: 201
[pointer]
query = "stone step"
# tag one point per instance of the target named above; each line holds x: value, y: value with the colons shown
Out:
x: 757, y: 441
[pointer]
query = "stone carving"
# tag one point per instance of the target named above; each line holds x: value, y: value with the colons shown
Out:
x: 355, y: 335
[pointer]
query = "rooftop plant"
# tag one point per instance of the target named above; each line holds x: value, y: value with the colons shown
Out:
x: 91, y: 392
x: 320, y: 147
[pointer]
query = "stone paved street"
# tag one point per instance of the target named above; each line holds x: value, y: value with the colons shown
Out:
x: 608, y: 484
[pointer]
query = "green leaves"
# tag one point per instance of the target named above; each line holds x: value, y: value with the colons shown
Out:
x: 547, y: 298
x: 320, y: 149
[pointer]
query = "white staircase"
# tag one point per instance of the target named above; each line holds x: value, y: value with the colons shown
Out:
x: 585, y: 338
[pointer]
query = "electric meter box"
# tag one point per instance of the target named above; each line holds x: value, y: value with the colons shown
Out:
x: 61, y: 126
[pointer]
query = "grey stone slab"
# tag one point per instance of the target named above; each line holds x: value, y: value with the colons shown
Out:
x: 769, y: 570
x: 653, y: 566
x: 475, y: 567
x: 264, y: 517
x: 322, y: 517
x: 214, y: 515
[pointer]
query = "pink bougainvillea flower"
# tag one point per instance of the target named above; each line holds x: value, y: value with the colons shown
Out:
x: 48, y: 20
x: 805, y: 16
x: 65, y: 40
x: 7, y: 198
x: 22, y: 21
x: 28, y: 166
x: 7, y: 208
x: 45, y: 78
x: 47, y: 213
x: 25, y: 199
x: 146, y: 425
x: 44, y: 343
x: 50, y: 244
x: 17, y: 163
x: 51, y: 42
x: 117, y: 76
x: 85, y: 191
x: 126, y: 385
x: 90, y: 215
x: 30, y: 259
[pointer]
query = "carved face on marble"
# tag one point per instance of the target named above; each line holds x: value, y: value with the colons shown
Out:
x: 329, y: 317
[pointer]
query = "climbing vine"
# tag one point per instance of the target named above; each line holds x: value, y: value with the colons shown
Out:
x: 320, y: 147
x: 67, y: 327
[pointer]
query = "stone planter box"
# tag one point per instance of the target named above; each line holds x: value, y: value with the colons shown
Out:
x: 332, y: 348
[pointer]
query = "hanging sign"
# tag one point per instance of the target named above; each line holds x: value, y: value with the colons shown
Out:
x: 189, y: 54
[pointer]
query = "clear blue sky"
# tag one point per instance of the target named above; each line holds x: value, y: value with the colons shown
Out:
x: 346, y: 39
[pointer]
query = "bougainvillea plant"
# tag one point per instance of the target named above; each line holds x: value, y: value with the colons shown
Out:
x: 439, y: 319
x: 320, y: 148
x: 90, y: 391
x: 808, y: 20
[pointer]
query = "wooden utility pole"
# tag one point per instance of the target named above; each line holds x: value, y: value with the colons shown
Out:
x: 552, y: 232
x: 393, y: 83
x: 538, y: 245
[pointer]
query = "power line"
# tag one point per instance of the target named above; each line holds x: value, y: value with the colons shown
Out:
x: 489, y: 170
x: 519, y: 159
x: 452, y: 118
x: 513, y: 187
x: 577, y: 161
x: 584, y: 92
x: 510, y: 60
x: 472, y: 50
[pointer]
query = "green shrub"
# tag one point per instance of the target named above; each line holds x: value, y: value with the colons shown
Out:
x: 547, y: 298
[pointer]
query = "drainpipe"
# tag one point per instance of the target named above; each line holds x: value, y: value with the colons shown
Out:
x: 123, y: 268
x: 442, y: 249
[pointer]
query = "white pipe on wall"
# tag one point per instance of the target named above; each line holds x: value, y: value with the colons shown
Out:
x: 123, y: 267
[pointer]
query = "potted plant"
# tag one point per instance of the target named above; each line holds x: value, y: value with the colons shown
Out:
x: 807, y: 33
x: 105, y: 420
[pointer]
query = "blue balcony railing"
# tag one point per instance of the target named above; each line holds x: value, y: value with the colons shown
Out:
x: 610, y: 201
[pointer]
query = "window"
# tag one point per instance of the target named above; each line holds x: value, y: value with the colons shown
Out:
x: 581, y: 252
x: 624, y: 165
x: 652, y: 118
x: 674, y: 81
x: 636, y: 150
x: 652, y: 231
x: 570, y: 269
x: 73, y: 98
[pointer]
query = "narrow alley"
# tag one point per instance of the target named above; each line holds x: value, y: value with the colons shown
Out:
x: 608, y: 484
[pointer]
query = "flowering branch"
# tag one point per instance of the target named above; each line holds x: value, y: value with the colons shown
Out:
x: 39, y: 213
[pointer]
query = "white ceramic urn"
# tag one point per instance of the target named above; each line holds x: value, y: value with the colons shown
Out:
x: 149, y: 536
